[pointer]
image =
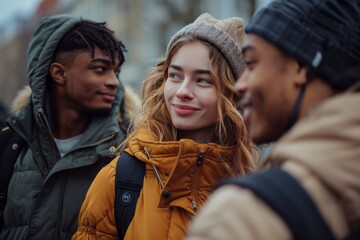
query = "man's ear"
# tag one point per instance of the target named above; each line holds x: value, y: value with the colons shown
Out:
x: 300, y: 78
x: 57, y: 72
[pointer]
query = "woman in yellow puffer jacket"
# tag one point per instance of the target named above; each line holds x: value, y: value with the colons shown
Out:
x: 190, y: 135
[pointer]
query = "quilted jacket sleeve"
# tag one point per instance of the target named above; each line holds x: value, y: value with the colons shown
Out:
x: 96, y: 218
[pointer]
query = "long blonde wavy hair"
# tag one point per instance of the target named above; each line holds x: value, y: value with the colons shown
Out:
x: 230, y: 130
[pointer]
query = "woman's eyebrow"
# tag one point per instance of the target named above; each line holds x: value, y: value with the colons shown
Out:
x: 198, y: 71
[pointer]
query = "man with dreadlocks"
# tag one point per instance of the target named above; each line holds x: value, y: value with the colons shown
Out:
x: 71, y: 121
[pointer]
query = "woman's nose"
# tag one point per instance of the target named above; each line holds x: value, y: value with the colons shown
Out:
x: 185, y: 90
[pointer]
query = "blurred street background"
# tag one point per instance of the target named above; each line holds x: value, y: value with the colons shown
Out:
x: 144, y: 26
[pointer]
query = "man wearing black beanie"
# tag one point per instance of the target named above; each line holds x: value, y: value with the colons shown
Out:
x: 301, y: 89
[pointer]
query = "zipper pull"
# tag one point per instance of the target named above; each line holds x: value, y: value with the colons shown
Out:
x: 194, y: 205
x: 200, y: 159
x: 155, y: 169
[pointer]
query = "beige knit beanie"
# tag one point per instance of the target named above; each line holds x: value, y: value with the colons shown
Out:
x: 225, y: 34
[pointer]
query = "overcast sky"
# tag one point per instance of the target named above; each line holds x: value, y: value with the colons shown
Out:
x: 9, y: 8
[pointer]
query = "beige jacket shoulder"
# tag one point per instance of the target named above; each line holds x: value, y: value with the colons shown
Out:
x: 322, y: 152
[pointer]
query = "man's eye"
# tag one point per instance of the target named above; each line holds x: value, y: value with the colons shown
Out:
x: 99, y: 69
x: 250, y: 64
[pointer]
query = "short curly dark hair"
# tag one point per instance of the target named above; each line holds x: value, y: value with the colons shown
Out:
x: 86, y: 35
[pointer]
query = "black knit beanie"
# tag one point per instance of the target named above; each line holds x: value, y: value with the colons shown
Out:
x: 321, y: 34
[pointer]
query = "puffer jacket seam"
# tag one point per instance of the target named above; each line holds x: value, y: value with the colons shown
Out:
x: 95, y: 226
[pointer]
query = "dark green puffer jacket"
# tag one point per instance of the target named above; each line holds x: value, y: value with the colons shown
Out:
x: 46, y: 191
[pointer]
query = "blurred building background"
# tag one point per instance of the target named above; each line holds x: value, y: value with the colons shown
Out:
x: 144, y: 26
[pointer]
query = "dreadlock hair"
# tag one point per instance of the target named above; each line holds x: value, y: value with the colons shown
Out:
x: 85, y: 36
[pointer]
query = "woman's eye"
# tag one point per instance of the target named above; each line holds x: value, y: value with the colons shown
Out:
x: 174, y: 76
x: 205, y: 81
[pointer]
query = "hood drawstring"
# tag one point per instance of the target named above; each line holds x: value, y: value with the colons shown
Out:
x: 296, y: 108
x: 294, y: 114
x: 155, y: 169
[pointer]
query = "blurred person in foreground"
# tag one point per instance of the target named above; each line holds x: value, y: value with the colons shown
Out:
x: 189, y: 136
x: 300, y: 88
x: 71, y: 119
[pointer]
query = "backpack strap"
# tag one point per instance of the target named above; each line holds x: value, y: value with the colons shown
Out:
x: 128, y: 184
x: 10, y: 146
x: 280, y: 191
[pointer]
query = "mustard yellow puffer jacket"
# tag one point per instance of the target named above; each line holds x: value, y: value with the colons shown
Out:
x: 188, y: 178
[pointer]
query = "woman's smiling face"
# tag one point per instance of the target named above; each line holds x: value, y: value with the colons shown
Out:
x: 190, y: 93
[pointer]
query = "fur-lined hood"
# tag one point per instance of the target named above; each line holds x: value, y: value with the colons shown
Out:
x: 132, y: 102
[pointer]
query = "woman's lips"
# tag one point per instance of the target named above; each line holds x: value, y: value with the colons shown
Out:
x: 247, y: 116
x: 183, y: 109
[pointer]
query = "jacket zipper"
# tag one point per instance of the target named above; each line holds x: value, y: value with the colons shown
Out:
x: 195, y: 189
x: 54, y: 147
